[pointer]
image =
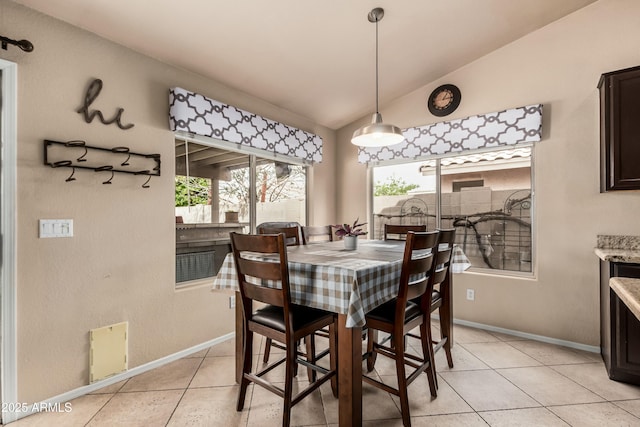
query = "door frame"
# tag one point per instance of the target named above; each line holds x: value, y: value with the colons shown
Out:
x: 8, y: 267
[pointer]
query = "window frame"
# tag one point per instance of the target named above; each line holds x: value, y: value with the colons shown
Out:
x: 438, y: 197
x: 253, y: 155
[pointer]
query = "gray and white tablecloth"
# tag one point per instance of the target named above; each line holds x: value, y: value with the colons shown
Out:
x: 328, y: 277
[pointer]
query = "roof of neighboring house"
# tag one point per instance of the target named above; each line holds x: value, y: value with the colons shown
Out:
x: 514, y: 153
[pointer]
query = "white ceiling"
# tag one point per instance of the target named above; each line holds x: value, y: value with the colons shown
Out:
x: 314, y: 58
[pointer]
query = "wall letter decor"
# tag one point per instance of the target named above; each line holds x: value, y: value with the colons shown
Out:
x: 92, y: 93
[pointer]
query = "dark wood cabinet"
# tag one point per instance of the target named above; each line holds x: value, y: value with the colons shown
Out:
x: 619, y: 327
x: 620, y: 130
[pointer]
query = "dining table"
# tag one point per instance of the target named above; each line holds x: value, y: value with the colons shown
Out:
x: 350, y: 283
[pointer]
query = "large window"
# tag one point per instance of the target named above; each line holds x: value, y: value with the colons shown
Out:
x: 486, y: 196
x: 219, y: 190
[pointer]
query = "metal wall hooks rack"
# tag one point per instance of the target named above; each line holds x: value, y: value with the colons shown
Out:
x: 76, y: 154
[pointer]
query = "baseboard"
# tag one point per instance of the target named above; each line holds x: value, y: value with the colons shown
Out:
x: 534, y: 337
x: 57, y: 401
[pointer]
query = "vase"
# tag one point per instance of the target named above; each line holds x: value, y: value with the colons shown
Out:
x: 351, y: 243
x: 231, y: 216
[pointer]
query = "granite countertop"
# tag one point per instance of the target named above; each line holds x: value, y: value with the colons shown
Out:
x: 629, y: 292
x: 625, y: 249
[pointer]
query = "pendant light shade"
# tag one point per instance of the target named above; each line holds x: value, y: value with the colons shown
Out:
x: 377, y: 134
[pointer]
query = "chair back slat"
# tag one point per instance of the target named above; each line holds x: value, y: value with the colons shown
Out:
x: 443, y: 256
x: 446, y: 236
x: 291, y: 232
x: 271, y: 296
x: 399, y: 232
x: 439, y: 275
x: 317, y: 233
x: 267, y: 270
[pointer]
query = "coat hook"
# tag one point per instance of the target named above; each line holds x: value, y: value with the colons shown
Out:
x: 82, y: 158
x: 156, y: 157
x: 144, y: 172
x: 78, y: 143
x: 61, y: 163
x: 109, y: 180
x: 123, y: 150
x: 71, y: 178
x: 106, y: 168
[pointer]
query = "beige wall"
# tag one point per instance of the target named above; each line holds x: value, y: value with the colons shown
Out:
x: 558, y: 66
x: 120, y: 263
x: 119, y: 266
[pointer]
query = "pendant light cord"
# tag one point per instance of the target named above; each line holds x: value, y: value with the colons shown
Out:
x: 377, y: 108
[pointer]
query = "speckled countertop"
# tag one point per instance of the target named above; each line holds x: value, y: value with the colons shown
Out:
x: 619, y: 249
x: 629, y: 292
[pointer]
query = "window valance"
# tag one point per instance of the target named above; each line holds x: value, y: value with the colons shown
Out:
x: 508, y: 127
x: 194, y: 113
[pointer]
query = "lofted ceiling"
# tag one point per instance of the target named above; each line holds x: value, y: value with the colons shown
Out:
x: 313, y: 58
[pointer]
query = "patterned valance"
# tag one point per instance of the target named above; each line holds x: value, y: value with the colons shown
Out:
x: 508, y: 127
x: 194, y: 113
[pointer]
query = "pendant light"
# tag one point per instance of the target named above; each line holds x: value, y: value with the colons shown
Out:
x: 377, y: 134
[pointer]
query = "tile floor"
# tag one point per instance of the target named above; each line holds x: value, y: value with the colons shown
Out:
x: 498, y: 380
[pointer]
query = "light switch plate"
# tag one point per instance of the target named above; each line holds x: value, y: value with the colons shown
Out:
x: 55, y: 228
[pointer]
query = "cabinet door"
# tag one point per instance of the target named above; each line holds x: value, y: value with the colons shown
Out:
x: 628, y: 340
x: 620, y: 130
x: 625, y: 331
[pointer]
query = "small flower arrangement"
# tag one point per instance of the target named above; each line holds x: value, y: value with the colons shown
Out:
x: 343, y: 230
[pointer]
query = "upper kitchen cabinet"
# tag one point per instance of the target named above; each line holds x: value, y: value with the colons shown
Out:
x: 620, y: 130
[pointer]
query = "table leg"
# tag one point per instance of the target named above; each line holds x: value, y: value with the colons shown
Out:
x: 449, y: 301
x: 349, y: 373
x: 238, y: 337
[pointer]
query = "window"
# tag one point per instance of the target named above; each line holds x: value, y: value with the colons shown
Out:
x: 486, y: 196
x: 219, y: 190
x: 280, y: 191
x: 459, y: 185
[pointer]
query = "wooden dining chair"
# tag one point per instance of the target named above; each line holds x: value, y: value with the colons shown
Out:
x: 441, y: 296
x: 279, y: 319
x: 400, y: 315
x: 317, y: 233
x: 399, y: 232
x: 291, y: 232
x: 292, y: 235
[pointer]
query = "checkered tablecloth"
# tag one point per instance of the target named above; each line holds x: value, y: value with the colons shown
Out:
x: 459, y: 261
x: 328, y: 277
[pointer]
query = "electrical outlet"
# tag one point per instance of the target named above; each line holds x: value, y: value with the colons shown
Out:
x: 471, y: 294
x: 232, y: 301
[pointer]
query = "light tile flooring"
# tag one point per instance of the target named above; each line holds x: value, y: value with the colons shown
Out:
x: 498, y: 380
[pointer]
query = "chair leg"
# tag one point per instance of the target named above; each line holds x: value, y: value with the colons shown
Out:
x: 267, y: 350
x: 427, y: 353
x: 402, y: 379
x: 372, y: 337
x: 445, y: 331
x: 290, y: 364
x: 310, y: 342
x: 333, y: 358
x: 247, y: 358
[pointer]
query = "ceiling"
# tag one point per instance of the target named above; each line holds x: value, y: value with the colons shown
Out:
x: 313, y: 58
